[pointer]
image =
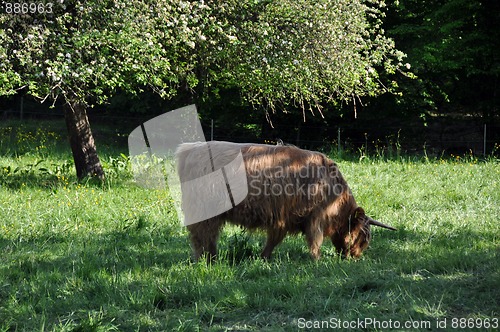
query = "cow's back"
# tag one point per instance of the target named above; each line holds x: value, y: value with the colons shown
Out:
x: 285, y: 184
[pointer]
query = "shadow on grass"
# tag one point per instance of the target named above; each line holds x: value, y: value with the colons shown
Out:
x: 32, y: 181
x: 60, y: 279
x: 44, y: 181
x: 457, y: 273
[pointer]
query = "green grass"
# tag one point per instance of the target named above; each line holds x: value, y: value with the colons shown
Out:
x: 77, y: 256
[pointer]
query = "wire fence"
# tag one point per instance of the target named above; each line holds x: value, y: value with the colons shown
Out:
x: 453, y: 138
x: 449, y: 136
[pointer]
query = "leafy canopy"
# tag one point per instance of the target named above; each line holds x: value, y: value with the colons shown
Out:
x: 275, y: 52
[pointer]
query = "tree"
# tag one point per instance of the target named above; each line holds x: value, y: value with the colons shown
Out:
x: 275, y: 52
x: 292, y: 52
x: 82, y: 51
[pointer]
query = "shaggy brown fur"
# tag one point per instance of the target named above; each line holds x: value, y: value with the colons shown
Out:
x: 290, y: 190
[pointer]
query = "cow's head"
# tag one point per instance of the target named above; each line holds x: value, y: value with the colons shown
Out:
x: 354, y: 236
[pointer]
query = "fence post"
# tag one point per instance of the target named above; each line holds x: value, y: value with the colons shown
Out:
x: 366, y: 143
x: 212, y: 129
x: 484, y: 141
x: 338, y: 141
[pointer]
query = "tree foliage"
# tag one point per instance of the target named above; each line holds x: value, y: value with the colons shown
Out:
x: 273, y: 51
x: 85, y: 49
x: 309, y: 52
x: 291, y: 52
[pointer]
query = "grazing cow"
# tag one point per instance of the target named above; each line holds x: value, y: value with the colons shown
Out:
x: 290, y: 190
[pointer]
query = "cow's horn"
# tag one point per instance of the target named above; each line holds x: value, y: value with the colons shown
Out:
x: 378, y: 223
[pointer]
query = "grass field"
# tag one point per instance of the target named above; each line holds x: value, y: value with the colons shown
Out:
x: 78, y: 256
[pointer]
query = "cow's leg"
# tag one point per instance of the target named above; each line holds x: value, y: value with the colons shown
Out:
x: 204, y: 237
x: 314, y: 236
x: 339, y: 244
x: 274, y: 237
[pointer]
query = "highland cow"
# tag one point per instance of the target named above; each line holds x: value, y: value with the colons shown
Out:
x: 290, y: 191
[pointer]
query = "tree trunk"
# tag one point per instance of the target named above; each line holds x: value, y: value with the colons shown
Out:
x: 87, y: 161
